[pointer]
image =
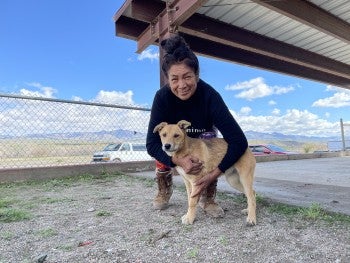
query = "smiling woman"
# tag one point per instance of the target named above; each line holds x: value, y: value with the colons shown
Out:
x: 182, y: 81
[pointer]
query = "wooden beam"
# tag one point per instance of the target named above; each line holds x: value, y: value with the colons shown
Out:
x: 173, y: 15
x: 310, y: 14
x: 224, y: 52
x: 129, y: 28
x: 146, y: 11
x: 216, y: 31
x: 123, y: 10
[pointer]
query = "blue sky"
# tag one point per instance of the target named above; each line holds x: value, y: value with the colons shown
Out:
x: 68, y: 50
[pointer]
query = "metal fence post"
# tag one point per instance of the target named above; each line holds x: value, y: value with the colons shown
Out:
x: 342, y: 133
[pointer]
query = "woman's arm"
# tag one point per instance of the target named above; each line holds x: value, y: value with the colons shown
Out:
x: 231, y: 131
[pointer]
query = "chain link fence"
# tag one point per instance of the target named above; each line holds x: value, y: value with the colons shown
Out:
x: 41, y: 132
x: 343, y: 145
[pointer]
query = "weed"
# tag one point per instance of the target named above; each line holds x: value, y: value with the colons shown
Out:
x: 223, y: 240
x: 284, y: 209
x: 4, y: 203
x: 7, y: 235
x: 193, y: 253
x: 65, y: 247
x: 103, y: 213
x: 313, y: 212
x: 188, y: 228
x: 8, y: 215
x: 49, y: 232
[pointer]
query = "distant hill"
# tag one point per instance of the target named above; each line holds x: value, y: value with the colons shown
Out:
x: 119, y: 134
x: 122, y: 134
x: 253, y: 135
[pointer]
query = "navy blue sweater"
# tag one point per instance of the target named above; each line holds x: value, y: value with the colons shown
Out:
x: 206, y: 111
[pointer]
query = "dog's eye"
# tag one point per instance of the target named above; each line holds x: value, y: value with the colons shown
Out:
x: 176, y: 135
x: 163, y: 134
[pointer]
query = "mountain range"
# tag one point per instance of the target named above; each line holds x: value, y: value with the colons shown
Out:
x: 122, y: 134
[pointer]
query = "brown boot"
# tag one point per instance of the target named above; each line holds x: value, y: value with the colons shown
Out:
x: 207, y: 202
x: 165, y: 189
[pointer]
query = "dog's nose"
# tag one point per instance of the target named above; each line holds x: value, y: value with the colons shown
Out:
x: 167, y: 146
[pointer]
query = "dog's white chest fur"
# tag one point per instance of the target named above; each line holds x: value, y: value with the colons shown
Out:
x: 180, y: 171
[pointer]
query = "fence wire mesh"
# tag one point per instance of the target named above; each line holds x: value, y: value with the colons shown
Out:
x: 37, y: 132
x: 41, y: 132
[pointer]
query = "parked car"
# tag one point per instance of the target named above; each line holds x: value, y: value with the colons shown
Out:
x: 268, y: 149
x: 122, y: 152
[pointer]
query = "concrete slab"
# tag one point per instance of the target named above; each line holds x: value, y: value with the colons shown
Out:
x: 325, y: 181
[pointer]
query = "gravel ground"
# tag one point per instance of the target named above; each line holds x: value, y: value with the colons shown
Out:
x: 111, y: 220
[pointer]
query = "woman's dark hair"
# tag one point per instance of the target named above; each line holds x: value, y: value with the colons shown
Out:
x: 177, y: 51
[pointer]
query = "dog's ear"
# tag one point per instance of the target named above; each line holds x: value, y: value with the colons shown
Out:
x: 183, y: 124
x: 159, y: 127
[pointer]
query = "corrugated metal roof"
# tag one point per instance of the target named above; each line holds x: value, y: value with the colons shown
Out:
x: 261, y: 20
x: 339, y: 8
x: 309, y: 39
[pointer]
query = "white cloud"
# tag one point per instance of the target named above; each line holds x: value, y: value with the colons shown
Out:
x: 272, y: 102
x: 115, y: 97
x: 245, y: 110
x: 22, y: 117
x: 257, y: 88
x: 77, y: 98
x: 293, y: 122
x: 45, y: 92
x: 148, y: 54
x: 276, y: 111
x: 339, y: 99
x: 334, y: 88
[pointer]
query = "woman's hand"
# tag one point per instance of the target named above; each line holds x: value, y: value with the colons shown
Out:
x: 204, y: 182
x: 189, y: 164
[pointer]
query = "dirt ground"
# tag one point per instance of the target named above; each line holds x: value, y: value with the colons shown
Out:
x: 111, y: 220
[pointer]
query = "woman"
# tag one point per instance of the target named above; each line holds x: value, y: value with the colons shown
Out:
x: 187, y: 97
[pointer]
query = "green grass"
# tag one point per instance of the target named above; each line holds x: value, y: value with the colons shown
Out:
x: 48, y: 232
x: 8, y: 215
x: 103, y: 213
x: 64, y: 181
x: 223, y: 240
x: 6, y: 235
x: 192, y: 253
x: 312, y: 213
x: 12, y: 210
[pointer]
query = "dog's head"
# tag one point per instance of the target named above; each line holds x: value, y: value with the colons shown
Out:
x: 172, y: 135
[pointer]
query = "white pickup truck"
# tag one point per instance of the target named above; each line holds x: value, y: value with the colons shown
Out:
x: 122, y: 152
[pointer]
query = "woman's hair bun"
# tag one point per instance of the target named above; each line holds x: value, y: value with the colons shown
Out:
x: 177, y: 51
x: 170, y: 45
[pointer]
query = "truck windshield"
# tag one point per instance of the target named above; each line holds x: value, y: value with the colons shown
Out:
x: 112, y: 147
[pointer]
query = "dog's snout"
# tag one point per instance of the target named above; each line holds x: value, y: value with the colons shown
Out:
x: 167, y: 146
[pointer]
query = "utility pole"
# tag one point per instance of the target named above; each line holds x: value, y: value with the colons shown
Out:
x: 342, y: 133
x: 342, y: 124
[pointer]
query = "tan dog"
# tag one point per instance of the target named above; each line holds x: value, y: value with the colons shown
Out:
x: 240, y: 176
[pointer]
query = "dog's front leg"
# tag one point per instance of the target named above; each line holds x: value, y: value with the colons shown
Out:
x: 190, y: 216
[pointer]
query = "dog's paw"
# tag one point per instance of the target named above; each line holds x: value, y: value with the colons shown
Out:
x: 250, y: 221
x: 244, y: 211
x: 186, y: 220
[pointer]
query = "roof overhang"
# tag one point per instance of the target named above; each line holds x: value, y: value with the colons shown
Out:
x: 147, y: 22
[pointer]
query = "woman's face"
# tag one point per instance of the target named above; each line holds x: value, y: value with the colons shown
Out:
x: 182, y: 81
